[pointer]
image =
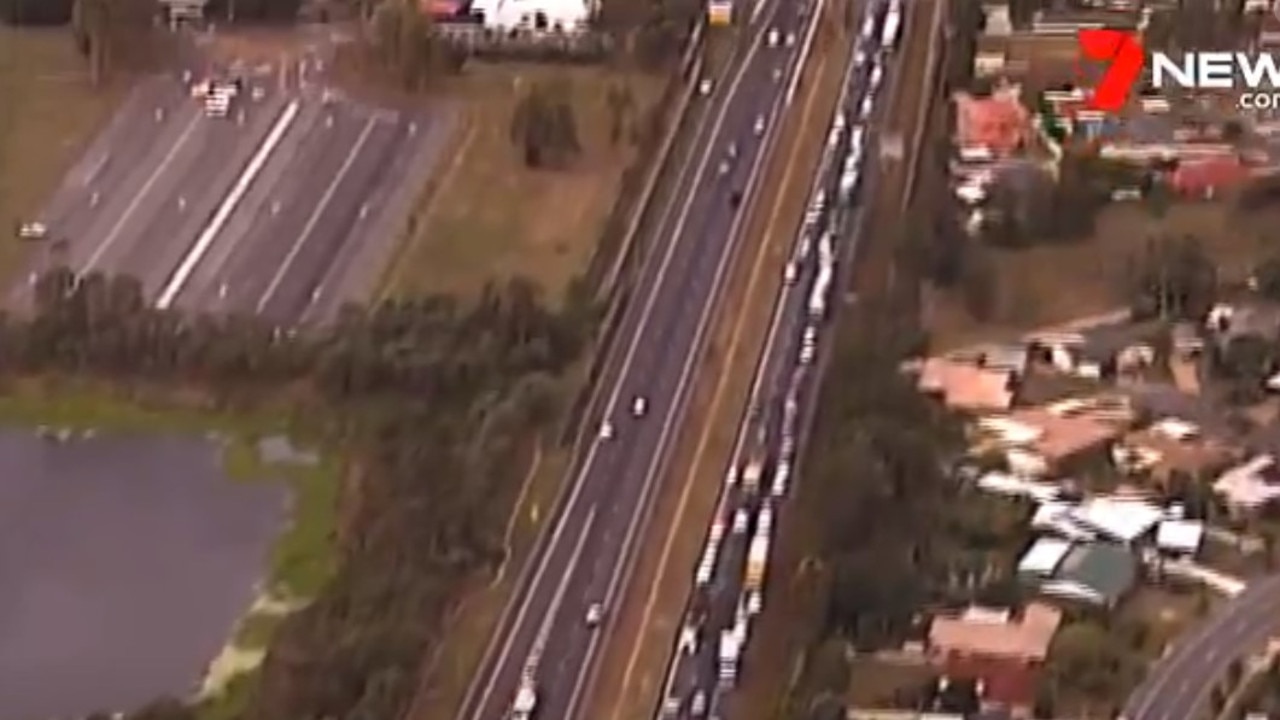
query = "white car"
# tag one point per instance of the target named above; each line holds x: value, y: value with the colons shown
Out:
x: 639, y: 406
x: 740, y: 520
x: 724, y: 167
x: 773, y: 37
x: 791, y: 39
x: 807, y: 354
x: 759, y: 126
x: 32, y: 231
x: 859, y: 58
x: 754, y: 602
x: 840, y: 122
x: 704, y: 87
x: 789, y: 275
x: 877, y: 74
x: 868, y: 104
x: 595, y: 613
x: 698, y: 707
x: 606, y: 430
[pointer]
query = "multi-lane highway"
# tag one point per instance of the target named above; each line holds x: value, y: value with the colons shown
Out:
x: 699, y: 678
x: 1178, y: 687
x: 586, y: 557
x: 256, y: 211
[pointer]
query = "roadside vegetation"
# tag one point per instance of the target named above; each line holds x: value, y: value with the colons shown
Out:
x: 434, y: 405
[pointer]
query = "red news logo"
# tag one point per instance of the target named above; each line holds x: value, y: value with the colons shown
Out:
x: 1122, y: 56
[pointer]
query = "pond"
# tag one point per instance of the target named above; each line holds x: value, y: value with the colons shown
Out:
x: 125, y: 561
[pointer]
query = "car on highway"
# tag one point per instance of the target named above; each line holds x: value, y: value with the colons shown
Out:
x: 606, y: 430
x: 867, y: 106
x: 868, y: 28
x: 740, y: 521
x: 789, y: 275
x: 724, y: 167
x: 595, y: 613
x: 32, y: 231
x: 774, y: 37
x: 877, y: 74
x: 704, y: 87
x: 840, y: 122
x: 754, y: 602
x: 698, y: 706
x: 758, y: 128
x: 791, y: 39
x: 808, y: 347
x: 859, y: 58
x: 639, y: 406
x: 671, y: 708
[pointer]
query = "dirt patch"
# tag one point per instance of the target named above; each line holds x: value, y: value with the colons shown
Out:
x: 260, y: 45
x: 1051, y: 284
x: 876, y: 683
x: 48, y: 114
x: 490, y: 217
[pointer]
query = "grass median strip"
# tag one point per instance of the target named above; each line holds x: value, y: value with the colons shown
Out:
x: 634, y: 664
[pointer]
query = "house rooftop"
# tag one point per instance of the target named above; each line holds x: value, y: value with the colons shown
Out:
x: 1119, y: 518
x: 983, y: 632
x: 1043, y: 557
x: 1097, y: 573
x: 965, y: 386
x: 1252, y: 484
x: 1180, y: 536
x: 1062, y: 435
x: 1171, y: 444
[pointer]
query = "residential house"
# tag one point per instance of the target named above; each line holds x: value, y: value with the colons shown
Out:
x: 1250, y: 486
x: 1047, y: 440
x: 1002, y: 651
x: 1097, y: 573
x: 965, y: 386
x: 1172, y: 446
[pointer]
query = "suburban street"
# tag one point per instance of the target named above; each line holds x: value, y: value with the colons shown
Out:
x: 587, y: 556
x: 254, y: 212
x: 1179, y: 685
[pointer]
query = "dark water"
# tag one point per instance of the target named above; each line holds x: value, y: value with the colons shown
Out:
x: 124, y: 564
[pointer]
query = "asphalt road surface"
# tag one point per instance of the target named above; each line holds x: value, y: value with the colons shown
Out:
x: 1179, y: 685
x: 781, y: 396
x: 585, y: 559
x: 252, y: 212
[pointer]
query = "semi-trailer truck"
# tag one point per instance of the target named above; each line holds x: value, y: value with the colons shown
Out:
x: 757, y: 561
x: 526, y: 701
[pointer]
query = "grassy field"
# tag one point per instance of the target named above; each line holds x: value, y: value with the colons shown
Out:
x: 488, y: 217
x: 1047, y: 285
x: 632, y: 669
x: 48, y: 114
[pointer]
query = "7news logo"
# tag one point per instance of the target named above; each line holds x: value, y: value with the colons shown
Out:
x: 1255, y: 76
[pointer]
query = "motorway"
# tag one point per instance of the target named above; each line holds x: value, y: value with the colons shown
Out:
x: 261, y: 211
x: 1178, y: 687
x: 782, y: 402
x: 587, y: 556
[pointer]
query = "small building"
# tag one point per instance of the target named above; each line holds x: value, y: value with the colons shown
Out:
x: 998, y: 122
x: 1250, y: 486
x: 1098, y: 573
x: 1124, y: 520
x: 535, y: 15
x: 1180, y: 538
x: 1053, y: 440
x: 967, y: 387
x: 1172, y: 446
x: 1001, y: 650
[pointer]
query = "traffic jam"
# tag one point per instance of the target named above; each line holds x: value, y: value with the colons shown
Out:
x: 730, y: 578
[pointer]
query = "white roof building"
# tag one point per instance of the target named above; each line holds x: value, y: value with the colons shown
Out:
x: 1251, y: 485
x: 1122, y: 519
x: 1044, y: 557
x: 1180, y: 536
x: 534, y: 14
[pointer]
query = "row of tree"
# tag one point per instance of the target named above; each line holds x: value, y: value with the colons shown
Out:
x: 436, y: 402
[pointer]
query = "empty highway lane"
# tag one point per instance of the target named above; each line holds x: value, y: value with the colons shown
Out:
x: 252, y: 212
x: 585, y: 558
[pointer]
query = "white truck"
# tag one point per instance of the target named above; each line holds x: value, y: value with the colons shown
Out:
x: 757, y: 562
x: 892, y: 26
x: 818, y: 297
x: 752, y: 474
x: 526, y: 701
x: 730, y: 653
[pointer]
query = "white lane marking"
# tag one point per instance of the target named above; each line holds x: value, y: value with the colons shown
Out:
x: 315, y: 215
x: 205, y: 240
x: 579, y: 482
x: 114, y: 233
x: 805, y: 48
x: 548, y: 621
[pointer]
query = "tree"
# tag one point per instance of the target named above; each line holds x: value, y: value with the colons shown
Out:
x: 1172, y: 278
x: 112, y: 33
x: 544, y: 126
